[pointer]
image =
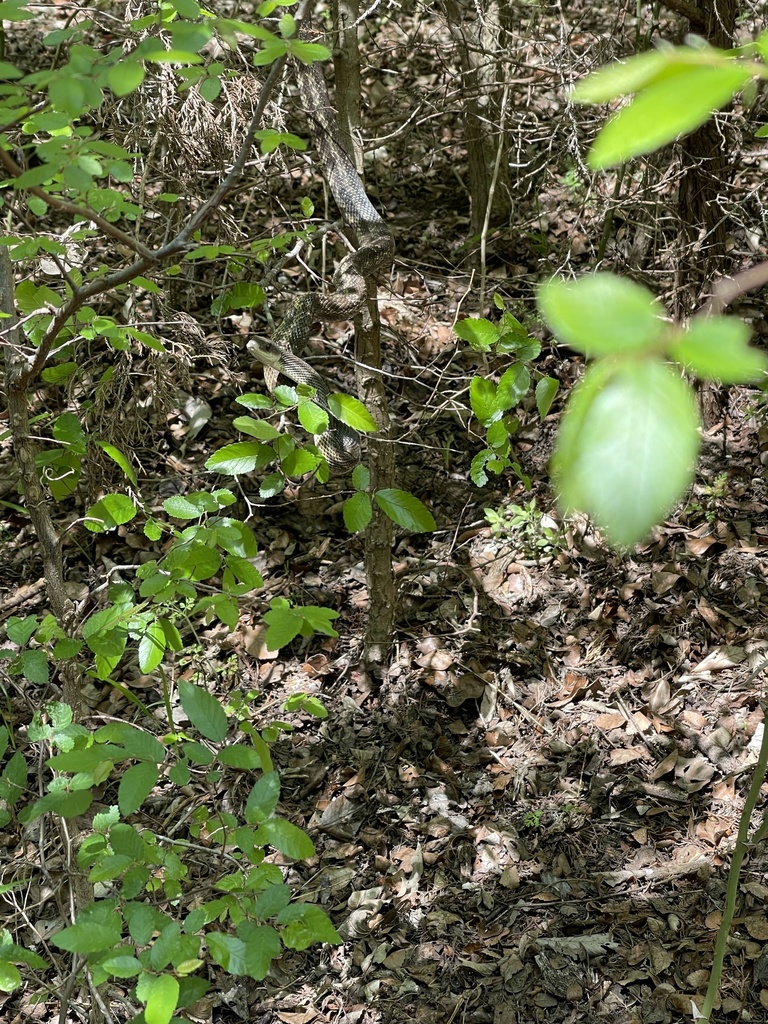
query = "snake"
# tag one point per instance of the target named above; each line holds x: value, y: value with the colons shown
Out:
x: 281, y: 354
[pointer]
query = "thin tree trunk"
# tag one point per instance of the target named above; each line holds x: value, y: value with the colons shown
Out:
x: 382, y: 594
x: 480, y: 31
x: 706, y: 174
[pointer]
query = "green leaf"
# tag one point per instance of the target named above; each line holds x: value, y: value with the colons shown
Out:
x: 665, y: 110
x: 546, y: 390
x: 482, y: 397
x: 318, y: 619
x: 136, y: 785
x: 256, y: 428
x: 601, y: 314
x: 405, y: 510
x: 110, y: 511
x: 481, y: 334
x: 203, y: 711
x: 117, y: 456
x: 285, y: 837
x: 306, y: 924
x: 351, y: 412
x: 160, y: 993
x: 308, y: 53
x: 283, y: 624
x: 622, y: 77
x: 513, y: 386
x: 67, y: 428
x: 34, y: 666
x: 262, y: 945
x: 299, y: 462
x: 152, y: 647
x: 164, y: 946
x: 312, y: 417
x: 61, y: 372
x: 627, y: 447
x: 88, y: 938
x: 123, y: 966
x: 228, y: 952
x: 10, y: 978
x: 238, y: 755
x: 272, y: 900
x: 263, y: 798
x: 357, y: 511
x: 19, y: 630
x: 717, y: 348
x: 240, y: 457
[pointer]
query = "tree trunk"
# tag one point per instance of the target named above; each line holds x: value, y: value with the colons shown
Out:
x: 706, y: 175
x: 481, y: 32
x: 382, y: 595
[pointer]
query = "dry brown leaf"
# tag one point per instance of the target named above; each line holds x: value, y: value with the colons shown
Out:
x: 721, y: 658
x: 626, y: 754
x: 302, y: 1017
x: 757, y: 926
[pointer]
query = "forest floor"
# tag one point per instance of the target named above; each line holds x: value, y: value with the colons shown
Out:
x: 531, y: 817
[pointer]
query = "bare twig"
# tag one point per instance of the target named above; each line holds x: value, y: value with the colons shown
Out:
x: 728, y: 289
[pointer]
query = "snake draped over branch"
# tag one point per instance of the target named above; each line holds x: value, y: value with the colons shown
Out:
x: 340, y: 444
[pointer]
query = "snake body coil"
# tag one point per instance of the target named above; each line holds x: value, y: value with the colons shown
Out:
x: 340, y: 444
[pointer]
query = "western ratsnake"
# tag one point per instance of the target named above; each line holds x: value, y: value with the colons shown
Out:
x: 340, y: 444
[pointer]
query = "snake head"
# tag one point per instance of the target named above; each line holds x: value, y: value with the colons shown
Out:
x: 266, y: 352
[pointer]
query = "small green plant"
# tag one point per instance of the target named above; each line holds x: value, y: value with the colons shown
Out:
x: 709, y: 494
x: 154, y: 926
x: 532, y: 819
x: 534, y: 532
x: 402, y: 507
x: 492, y: 402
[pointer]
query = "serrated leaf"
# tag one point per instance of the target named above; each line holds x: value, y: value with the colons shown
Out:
x: 255, y: 428
x: 19, y: 630
x: 136, y: 785
x: 312, y: 417
x: 305, y: 925
x: 227, y: 951
x: 87, y: 938
x: 479, y: 332
x: 319, y: 619
x: 283, y: 625
x: 405, y: 510
x: 34, y: 666
x: 357, y: 512
x: 513, y: 386
x: 123, y: 966
x: 627, y: 447
x: 238, y: 755
x: 110, y: 511
x: 203, y: 711
x: 240, y: 457
x: 262, y: 945
x: 352, y: 412
x: 482, y: 398
x: 601, y: 314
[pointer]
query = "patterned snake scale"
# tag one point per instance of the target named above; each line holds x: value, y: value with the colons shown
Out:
x: 339, y: 444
